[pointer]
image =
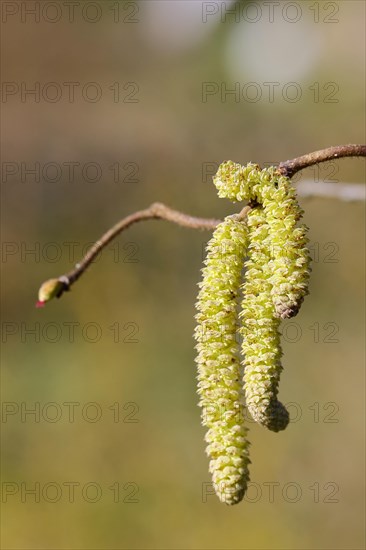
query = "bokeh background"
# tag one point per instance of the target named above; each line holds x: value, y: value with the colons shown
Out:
x: 118, y: 349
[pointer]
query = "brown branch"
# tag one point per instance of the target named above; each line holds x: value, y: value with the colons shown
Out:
x: 157, y: 210
x: 290, y: 167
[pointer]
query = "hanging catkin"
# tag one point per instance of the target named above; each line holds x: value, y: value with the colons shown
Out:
x: 218, y: 361
x: 287, y: 244
x: 261, y: 339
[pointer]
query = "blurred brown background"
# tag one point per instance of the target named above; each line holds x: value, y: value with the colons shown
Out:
x: 115, y: 449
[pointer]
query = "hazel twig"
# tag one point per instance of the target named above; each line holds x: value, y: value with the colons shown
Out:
x: 290, y: 167
x: 56, y: 287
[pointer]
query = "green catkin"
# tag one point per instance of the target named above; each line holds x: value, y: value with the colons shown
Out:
x: 218, y: 362
x: 290, y: 257
x: 260, y: 330
x: 236, y: 182
x: 276, y: 279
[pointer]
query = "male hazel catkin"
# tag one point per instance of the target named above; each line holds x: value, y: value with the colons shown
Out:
x: 219, y: 384
x: 275, y: 283
x: 260, y: 330
x: 290, y: 257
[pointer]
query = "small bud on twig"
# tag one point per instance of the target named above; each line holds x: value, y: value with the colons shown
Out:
x: 50, y: 289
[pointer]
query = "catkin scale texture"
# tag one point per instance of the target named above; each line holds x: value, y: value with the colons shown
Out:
x: 260, y: 330
x: 219, y: 384
x: 287, y: 243
x: 290, y: 257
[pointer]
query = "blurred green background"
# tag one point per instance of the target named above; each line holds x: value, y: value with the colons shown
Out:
x: 134, y: 452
